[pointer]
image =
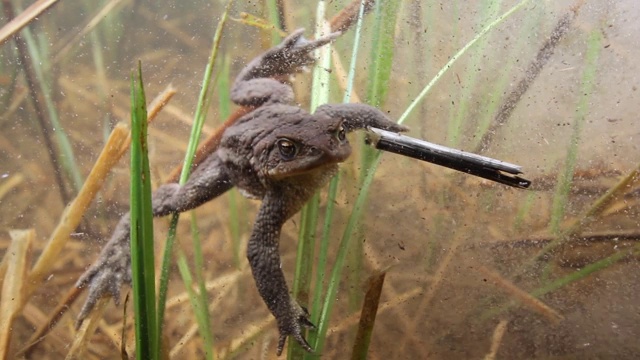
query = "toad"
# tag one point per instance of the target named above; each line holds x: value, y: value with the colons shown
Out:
x: 277, y: 153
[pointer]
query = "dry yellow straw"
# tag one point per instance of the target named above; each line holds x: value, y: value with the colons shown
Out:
x: 524, y: 297
x: 74, y: 211
x: 88, y: 327
x: 31, y: 13
x: 496, y: 340
x: 116, y: 146
x: 12, y: 287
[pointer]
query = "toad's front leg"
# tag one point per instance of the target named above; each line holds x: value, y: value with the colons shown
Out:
x: 264, y: 258
x: 358, y: 116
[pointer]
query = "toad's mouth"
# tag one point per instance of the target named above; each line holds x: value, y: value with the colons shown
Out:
x: 307, y: 165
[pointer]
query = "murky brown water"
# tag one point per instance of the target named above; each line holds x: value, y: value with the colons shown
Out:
x: 441, y: 234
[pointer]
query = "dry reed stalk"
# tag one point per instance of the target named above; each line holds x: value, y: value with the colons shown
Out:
x: 79, y: 346
x: 74, y: 38
x: 594, y: 211
x: 252, y: 331
x: 13, y: 181
x: 27, y: 16
x: 602, y: 203
x: 341, y: 76
x: 75, y: 210
x: 438, y: 278
x: 34, y: 315
x: 354, y: 318
x: 530, y: 75
x: 376, y: 261
x: 154, y: 108
x: 522, y: 296
x: 496, y: 340
x: 368, y: 314
x: 47, y: 324
x: 13, y: 286
x: 42, y: 116
x: 117, y: 144
x: 348, y: 16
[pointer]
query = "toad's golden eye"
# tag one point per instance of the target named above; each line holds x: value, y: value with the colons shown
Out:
x: 341, y: 133
x: 288, y: 149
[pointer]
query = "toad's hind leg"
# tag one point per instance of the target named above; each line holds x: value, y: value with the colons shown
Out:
x: 113, y: 268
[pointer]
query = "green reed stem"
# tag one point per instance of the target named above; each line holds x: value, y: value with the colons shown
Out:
x: 309, y: 214
x: 470, y: 78
x: 67, y: 157
x: 199, y: 117
x: 321, y: 316
x: 142, y: 249
x: 368, y: 180
x: 565, y: 178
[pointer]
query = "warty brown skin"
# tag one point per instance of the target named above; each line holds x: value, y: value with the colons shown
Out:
x: 278, y: 153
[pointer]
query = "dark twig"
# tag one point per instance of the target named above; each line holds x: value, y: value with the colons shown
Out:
x: 618, y: 236
x: 368, y: 315
x: 530, y: 75
x: 41, y: 115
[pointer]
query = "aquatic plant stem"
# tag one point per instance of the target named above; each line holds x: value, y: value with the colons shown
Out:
x: 322, y: 313
x: 196, y: 130
x: 368, y: 180
x: 40, y: 113
x: 141, y: 233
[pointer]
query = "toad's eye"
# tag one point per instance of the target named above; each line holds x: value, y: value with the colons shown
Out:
x: 288, y: 149
x: 341, y: 133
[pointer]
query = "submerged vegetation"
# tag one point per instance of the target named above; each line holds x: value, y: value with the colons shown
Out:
x: 395, y: 259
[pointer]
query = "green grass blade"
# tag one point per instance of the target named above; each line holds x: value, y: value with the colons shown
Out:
x: 336, y: 272
x: 381, y: 55
x: 67, y: 157
x: 199, y: 300
x: 455, y: 57
x: 321, y: 312
x: 203, y: 99
x: 567, y: 280
x: 331, y: 199
x: 381, y: 58
x: 470, y: 78
x: 142, y: 256
x: 368, y: 180
x: 274, y: 18
x: 309, y: 214
x: 236, y: 204
x: 565, y: 178
x: 305, y: 250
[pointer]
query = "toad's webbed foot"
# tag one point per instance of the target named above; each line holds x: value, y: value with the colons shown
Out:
x: 256, y: 86
x: 294, y: 52
x: 288, y: 57
x: 291, y: 324
x: 113, y: 269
